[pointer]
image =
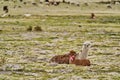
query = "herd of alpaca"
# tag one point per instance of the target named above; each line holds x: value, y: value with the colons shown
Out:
x: 74, y: 58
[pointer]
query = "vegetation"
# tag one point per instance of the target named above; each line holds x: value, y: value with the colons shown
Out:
x: 25, y: 54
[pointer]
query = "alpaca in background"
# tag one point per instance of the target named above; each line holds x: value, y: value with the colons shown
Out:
x: 82, y: 58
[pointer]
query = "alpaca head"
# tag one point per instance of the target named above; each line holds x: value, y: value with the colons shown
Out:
x: 72, y: 53
x: 87, y: 44
x: 71, y: 59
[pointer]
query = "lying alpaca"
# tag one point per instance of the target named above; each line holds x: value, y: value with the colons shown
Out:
x: 81, y: 60
x: 63, y: 59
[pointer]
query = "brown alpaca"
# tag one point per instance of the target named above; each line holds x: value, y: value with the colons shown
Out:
x: 82, y: 62
x: 63, y: 59
x: 93, y: 16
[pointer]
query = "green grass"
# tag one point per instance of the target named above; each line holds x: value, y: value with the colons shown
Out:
x: 60, y: 34
x: 25, y: 54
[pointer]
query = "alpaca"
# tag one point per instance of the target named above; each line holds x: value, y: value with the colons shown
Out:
x: 81, y: 59
x: 63, y: 59
x: 93, y: 16
x: 82, y: 62
x: 85, y: 48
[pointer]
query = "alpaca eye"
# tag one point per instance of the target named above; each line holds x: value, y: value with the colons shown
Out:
x: 88, y: 45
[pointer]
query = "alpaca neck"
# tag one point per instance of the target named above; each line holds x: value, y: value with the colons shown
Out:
x: 84, y: 53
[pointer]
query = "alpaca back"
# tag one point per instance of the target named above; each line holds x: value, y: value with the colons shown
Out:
x: 63, y: 59
x: 82, y: 62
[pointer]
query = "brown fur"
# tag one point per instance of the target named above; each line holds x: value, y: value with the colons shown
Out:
x: 82, y: 62
x: 92, y: 16
x: 63, y: 59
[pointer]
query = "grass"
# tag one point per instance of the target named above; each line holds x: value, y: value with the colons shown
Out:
x: 17, y: 46
x: 25, y: 54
